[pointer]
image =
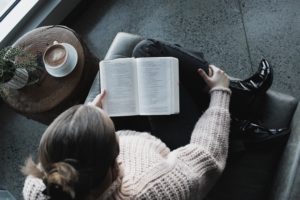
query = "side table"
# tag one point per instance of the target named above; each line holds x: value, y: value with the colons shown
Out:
x: 49, y: 97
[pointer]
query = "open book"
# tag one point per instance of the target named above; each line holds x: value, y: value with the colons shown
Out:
x: 140, y: 86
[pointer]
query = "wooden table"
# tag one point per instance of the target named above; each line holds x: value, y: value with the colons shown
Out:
x: 51, y: 96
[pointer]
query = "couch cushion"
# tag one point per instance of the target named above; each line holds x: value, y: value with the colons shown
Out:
x: 251, y: 174
x: 287, y: 183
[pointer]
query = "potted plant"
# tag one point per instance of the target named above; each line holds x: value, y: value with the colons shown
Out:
x: 16, y: 68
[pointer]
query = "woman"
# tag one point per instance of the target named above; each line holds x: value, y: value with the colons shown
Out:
x: 81, y: 157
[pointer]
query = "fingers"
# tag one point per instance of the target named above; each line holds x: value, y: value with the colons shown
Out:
x: 210, y: 71
x: 216, y: 77
x: 102, y: 95
x: 98, y: 99
x: 203, y: 75
x: 215, y: 69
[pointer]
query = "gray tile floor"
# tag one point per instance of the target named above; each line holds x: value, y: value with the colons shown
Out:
x: 233, y: 34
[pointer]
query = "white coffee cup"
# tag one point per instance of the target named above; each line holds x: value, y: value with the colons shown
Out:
x: 60, y: 59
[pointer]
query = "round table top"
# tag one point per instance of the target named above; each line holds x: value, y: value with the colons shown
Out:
x: 50, y: 91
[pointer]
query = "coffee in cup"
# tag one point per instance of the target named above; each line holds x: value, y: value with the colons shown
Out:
x: 60, y: 59
x: 55, y: 55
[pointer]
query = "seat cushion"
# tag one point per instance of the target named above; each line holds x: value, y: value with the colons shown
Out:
x: 250, y: 174
x: 287, y: 182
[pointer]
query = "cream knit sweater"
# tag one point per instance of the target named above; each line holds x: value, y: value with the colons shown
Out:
x: 149, y: 170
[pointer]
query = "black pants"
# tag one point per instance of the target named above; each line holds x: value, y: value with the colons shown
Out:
x: 174, y: 130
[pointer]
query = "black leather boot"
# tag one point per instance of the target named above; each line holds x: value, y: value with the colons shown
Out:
x: 253, y: 133
x: 259, y: 82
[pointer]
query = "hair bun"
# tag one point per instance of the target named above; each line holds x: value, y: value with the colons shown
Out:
x: 60, y: 181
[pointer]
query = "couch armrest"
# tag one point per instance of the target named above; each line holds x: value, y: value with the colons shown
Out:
x: 121, y: 47
x: 287, y: 182
x: 275, y: 109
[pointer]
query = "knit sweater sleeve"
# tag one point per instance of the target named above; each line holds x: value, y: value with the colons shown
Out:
x: 208, y: 146
x: 33, y: 189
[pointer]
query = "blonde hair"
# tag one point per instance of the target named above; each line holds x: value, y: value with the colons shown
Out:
x: 75, y: 153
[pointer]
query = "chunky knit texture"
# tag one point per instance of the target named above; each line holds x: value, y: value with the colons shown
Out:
x: 149, y: 170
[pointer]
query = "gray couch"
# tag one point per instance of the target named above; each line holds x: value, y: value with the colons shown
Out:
x: 268, y: 172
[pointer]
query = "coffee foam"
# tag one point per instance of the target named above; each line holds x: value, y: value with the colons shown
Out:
x: 55, y: 55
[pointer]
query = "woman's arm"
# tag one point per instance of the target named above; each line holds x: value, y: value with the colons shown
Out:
x: 33, y: 189
x: 208, y: 147
x: 211, y: 132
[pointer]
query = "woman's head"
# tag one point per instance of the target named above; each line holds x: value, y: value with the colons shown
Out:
x: 77, y: 150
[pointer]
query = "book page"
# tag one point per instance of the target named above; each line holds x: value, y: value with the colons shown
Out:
x: 118, y: 78
x: 155, y: 85
x: 175, y: 86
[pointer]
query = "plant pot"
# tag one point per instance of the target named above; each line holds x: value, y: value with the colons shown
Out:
x: 19, y: 80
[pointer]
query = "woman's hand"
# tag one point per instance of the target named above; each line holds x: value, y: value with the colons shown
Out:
x: 217, y: 77
x: 98, y: 101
